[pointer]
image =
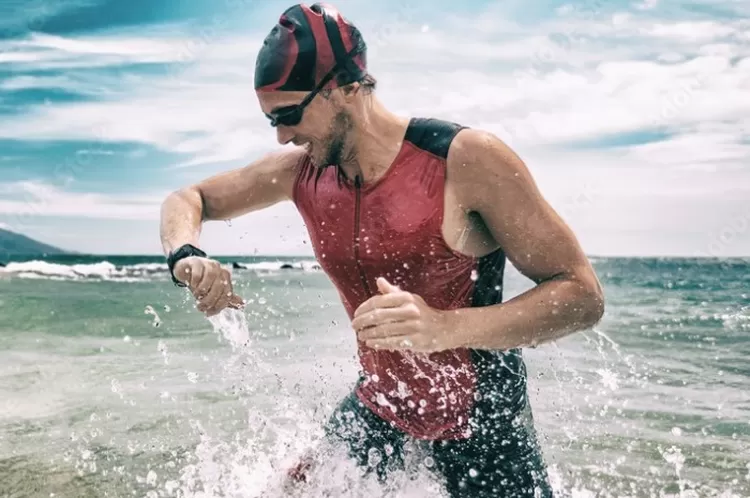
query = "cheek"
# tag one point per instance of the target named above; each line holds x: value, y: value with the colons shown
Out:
x: 319, y: 135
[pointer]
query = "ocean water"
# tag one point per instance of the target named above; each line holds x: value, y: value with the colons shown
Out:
x: 113, y: 385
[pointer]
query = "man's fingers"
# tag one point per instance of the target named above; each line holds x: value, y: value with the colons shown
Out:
x: 219, y: 305
x: 210, y: 284
x: 236, y: 302
x: 379, y: 316
x: 384, y: 330
x: 384, y: 301
x: 392, y: 342
x: 200, y: 282
x: 188, y: 273
x: 215, y: 294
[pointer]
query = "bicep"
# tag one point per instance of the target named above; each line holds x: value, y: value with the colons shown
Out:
x: 264, y: 182
x: 499, y: 187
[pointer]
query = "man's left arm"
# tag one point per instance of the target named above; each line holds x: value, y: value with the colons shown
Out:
x: 491, y: 180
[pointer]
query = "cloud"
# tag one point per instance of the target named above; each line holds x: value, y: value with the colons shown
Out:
x: 520, y: 83
x: 45, y: 52
x: 16, y: 16
x: 646, y: 4
x: 701, y: 31
x: 21, y: 200
x: 559, y: 91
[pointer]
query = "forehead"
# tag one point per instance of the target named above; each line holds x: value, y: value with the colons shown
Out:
x: 270, y: 101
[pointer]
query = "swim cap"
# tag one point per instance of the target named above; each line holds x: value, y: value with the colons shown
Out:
x: 305, y: 44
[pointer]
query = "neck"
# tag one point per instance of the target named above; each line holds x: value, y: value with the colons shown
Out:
x: 377, y: 137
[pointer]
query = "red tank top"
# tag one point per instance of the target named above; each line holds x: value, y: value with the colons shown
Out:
x: 393, y: 228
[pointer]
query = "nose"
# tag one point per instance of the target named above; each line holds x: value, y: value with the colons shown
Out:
x: 284, y: 135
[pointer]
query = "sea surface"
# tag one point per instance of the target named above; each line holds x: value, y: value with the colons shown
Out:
x: 113, y: 385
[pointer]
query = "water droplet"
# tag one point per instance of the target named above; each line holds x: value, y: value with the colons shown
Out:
x: 473, y: 473
x: 373, y: 457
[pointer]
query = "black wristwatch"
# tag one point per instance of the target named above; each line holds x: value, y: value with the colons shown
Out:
x: 183, y: 251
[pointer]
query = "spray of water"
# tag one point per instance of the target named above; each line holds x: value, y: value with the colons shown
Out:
x: 255, y: 462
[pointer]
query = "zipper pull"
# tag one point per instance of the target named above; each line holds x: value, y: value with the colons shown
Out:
x: 356, y: 181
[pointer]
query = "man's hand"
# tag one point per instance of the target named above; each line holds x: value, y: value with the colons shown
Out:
x: 210, y: 283
x: 395, y: 319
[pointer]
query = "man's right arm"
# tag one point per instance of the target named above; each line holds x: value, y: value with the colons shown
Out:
x: 265, y: 182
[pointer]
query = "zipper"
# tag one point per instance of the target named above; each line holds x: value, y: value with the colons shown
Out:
x: 357, y: 201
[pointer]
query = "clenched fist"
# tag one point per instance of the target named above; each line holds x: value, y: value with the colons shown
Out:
x: 210, y: 283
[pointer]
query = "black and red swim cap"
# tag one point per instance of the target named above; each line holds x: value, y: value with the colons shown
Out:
x: 305, y: 44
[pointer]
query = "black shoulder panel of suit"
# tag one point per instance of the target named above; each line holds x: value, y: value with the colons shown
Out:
x: 432, y: 135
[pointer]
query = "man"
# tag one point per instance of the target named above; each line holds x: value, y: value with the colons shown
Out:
x: 412, y: 220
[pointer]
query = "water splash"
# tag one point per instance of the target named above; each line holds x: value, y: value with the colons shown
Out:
x: 255, y: 461
x: 150, y: 311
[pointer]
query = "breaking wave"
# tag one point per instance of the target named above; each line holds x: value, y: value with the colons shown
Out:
x: 141, y: 272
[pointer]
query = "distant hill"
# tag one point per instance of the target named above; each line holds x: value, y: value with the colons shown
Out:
x: 16, y: 244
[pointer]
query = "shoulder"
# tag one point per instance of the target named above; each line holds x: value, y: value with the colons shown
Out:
x: 290, y: 160
x: 282, y: 167
x: 476, y: 154
x: 458, y: 144
x: 472, y: 155
x: 432, y: 135
x: 479, y: 163
x: 476, y: 150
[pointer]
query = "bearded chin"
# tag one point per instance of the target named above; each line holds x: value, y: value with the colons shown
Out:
x: 335, y: 152
x: 342, y: 124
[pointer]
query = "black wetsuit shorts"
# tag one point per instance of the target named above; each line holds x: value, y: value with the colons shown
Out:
x: 502, y: 458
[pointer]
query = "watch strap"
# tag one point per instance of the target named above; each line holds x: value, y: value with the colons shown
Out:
x: 184, y: 251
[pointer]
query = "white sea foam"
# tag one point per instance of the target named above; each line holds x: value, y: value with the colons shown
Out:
x: 107, y: 271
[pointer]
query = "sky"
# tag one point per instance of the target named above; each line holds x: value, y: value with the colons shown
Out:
x: 633, y: 117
